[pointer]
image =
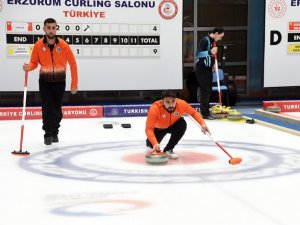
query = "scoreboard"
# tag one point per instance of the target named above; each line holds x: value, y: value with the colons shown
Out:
x: 89, y: 40
x: 118, y: 45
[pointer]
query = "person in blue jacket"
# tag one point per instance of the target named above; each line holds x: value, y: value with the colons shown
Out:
x: 205, y: 66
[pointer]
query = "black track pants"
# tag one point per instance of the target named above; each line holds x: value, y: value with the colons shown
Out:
x: 51, y: 95
x: 177, y: 131
x: 204, y: 78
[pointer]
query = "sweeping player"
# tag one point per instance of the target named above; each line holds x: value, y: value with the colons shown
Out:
x: 165, y: 116
x: 204, y: 68
x: 53, y: 54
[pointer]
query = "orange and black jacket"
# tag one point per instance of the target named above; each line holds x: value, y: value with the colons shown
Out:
x: 54, y: 63
x: 159, y: 117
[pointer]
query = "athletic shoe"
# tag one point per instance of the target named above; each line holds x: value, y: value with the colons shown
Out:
x: 48, y: 140
x: 55, y: 139
x: 171, y: 154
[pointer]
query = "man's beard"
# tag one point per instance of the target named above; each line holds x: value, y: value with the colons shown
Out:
x: 170, y: 109
x: 51, y: 37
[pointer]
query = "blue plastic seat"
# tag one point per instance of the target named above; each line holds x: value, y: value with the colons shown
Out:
x: 223, y: 87
x: 221, y: 79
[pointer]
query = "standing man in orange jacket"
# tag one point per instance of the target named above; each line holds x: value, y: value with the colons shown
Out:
x: 53, y: 54
x: 165, y: 116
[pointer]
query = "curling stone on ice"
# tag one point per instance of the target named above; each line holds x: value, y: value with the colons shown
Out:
x: 234, y: 115
x: 218, y: 111
x: 156, y: 158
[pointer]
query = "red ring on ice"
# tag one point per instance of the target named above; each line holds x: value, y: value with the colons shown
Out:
x: 184, y: 158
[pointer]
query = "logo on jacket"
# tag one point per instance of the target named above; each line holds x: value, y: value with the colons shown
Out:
x: 58, y: 49
x: 163, y: 116
x: 176, y: 114
x: 44, y: 49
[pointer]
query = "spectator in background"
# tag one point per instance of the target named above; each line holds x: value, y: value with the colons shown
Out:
x: 205, y: 66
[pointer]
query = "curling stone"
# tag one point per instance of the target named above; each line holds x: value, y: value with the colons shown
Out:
x: 217, y: 112
x: 226, y: 109
x: 274, y: 109
x: 218, y: 115
x: 216, y: 109
x: 234, y: 115
x: 156, y: 158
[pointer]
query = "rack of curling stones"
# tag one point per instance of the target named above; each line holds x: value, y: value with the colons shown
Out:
x: 219, y: 112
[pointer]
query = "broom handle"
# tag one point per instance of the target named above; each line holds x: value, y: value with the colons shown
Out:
x: 218, y: 78
x: 24, y: 110
x: 211, y: 138
x: 217, y: 143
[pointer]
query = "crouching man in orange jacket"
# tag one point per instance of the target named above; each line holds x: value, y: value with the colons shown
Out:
x: 165, y: 116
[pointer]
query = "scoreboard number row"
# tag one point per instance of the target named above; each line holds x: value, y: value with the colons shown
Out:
x: 91, y: 28
x: 87, y: 39
x: 84, y: 51
x: 115, y: 52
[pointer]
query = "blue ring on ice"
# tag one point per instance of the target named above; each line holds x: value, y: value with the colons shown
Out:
x: 57, y: 162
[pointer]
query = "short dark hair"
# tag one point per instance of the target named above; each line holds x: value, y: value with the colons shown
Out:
x: 49, y: 20
x: 169, y: 93
x: 218, y: 30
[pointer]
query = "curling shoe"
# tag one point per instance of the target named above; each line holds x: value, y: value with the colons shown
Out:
x: 55, y: 139
x: 48, y: 140
x: 171, y: 154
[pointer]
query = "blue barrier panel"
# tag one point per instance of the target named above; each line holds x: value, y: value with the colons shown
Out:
x: 125, y: 110
x: 134, y: 110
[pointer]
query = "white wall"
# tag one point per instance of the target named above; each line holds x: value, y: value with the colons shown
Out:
x: 282, y: 58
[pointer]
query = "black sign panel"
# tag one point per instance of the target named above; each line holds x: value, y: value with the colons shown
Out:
x: 77, y: 40
x: 294, y: 37
x: 37, y: 37
x: 68, y: 39
x: 19, y: 39
x: 105, y: 40
x: 148, y: 40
